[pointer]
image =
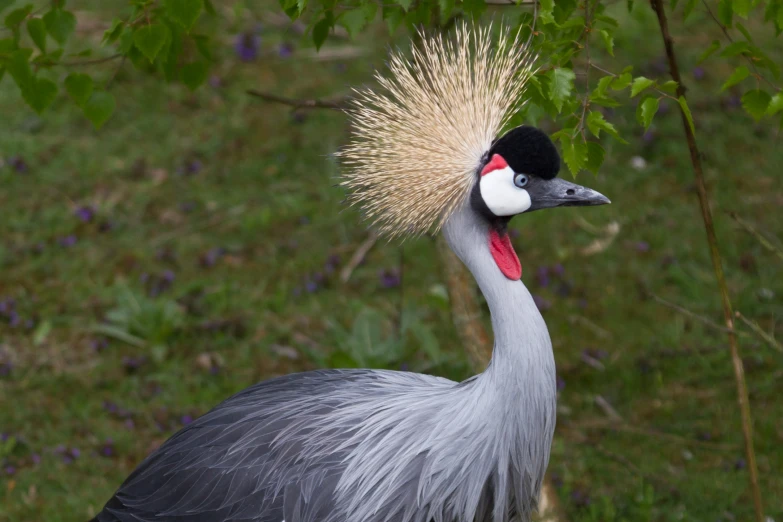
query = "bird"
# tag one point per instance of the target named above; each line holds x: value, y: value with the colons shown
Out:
x: 428, y: 152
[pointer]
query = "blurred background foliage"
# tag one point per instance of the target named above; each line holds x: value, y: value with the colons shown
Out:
x: 196, y: 243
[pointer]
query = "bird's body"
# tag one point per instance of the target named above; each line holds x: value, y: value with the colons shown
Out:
x: 369, y: 445
x: 382, y: 446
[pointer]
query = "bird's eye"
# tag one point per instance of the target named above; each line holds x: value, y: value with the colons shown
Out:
x: 520, y: 180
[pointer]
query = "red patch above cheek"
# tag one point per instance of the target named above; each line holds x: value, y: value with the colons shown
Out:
x: 496, y: 163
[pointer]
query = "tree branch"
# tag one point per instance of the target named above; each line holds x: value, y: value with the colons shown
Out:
x: 337, y: 104
x: 706, y: 213
x: 730, y: 39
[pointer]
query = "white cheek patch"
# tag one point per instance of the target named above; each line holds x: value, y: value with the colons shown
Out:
x: 501, y: 196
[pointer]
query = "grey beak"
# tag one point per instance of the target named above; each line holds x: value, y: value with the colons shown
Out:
x: 558, y: 192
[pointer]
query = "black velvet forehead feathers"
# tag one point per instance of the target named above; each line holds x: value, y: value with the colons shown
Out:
x: 528, y: 150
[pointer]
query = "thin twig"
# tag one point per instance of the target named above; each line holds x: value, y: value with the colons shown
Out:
x: 338, y: 104
x: 753, y: 325
x: 607, y: 408
x: 358, y: 256
x: 694, y: 315
x: 640, y: 430
x: 728, y: 36
x: 766, y: 243
x: 586, y: 101
x: 706, y: 213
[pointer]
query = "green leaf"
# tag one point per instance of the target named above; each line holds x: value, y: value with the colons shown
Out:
x: 42, y: 332
x: 670, y: 87
x: 79, y: 87
x: 725, y: 12
x: 353, y: 21
x: 203, y: 45
x: 17, y: 16
x: 6, y: 3
x: 473, y: 7
x: 19, y: 69
x: 742, y: 7
x: 321, y: 30
x: 622, y: 81
x: 99, y: 108
x: 595, y: 156
x: 114, y: 32
x: 194, y: 74
x: 393, y: 16
x: 37, y: 30
x: 546, y: 11
x: 640, y: 83
x: 646, y: 110
x: 574, y: 153
x: 209, y: 8
x: 608, y: 41
x: 756, y: 102
x: 183, y: 12
x: 561, y: 83
x: 150, y: 39
x: 446, y: 8
x: 405, y: 4
x: 688, y: 9
x: 734, y: 49
x: 739, y: 74
x: 603, y: 86
x: 596, y: 123
x: 741, y: 28
x: 714, y: 46
x: 60, y: 24
x: 687, y: 111
x: 40, y: 94
x: 775, y: 105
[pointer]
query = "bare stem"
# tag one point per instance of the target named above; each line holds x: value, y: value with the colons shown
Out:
x: 706, y: 213
x: 338, y: 104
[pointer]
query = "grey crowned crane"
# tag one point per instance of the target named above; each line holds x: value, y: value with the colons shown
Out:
x: 388, y: 446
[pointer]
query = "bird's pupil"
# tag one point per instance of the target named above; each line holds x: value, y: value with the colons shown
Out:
x: 520, y: 180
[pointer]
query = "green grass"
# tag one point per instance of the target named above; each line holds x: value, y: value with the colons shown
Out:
x: 264, y: 195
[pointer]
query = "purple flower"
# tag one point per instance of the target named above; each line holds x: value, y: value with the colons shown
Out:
x: 740, y: 464
x: 168, y: 275
x: 5, y: 368
x: 332, y: 263
x: 390, y: 278
x: 698, y: 73
x: 4, y: 437
x: 561, y: 384
x: 642, y: 246
x: 35, y: 458
x: 133, y: 363
x: 558, y: 270
x: 67, y: 241
x: 18, y: 164
x: 215, y: 81
x: 648, y: 137
x: 190, y: 167
x: 98, y: 345
x: 107, y: 450
x: 75, y: 453
x: 285, y: 50
x: 542, y: 276
x: 246, y: 46
x: 186, y: 419
x: 664, y: 107
x: 13, y: 319
x: 211, y: 258
x: 10, y: 470
x: 129, y: 424
x: 542, y: 304
x: 85, y: 213
x: 311, y: 286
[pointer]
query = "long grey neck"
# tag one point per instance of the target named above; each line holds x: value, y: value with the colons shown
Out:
x: 522, y: 358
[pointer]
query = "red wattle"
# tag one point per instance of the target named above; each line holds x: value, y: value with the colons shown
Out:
x: 497, y: 162
x: 504, y: 255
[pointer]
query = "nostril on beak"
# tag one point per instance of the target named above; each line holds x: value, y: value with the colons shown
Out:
x: 570, y: 192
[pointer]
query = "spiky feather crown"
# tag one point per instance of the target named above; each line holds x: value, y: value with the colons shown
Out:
x: 415, y: 148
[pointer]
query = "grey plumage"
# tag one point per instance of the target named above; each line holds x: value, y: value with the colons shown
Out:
x: 369, y: 445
